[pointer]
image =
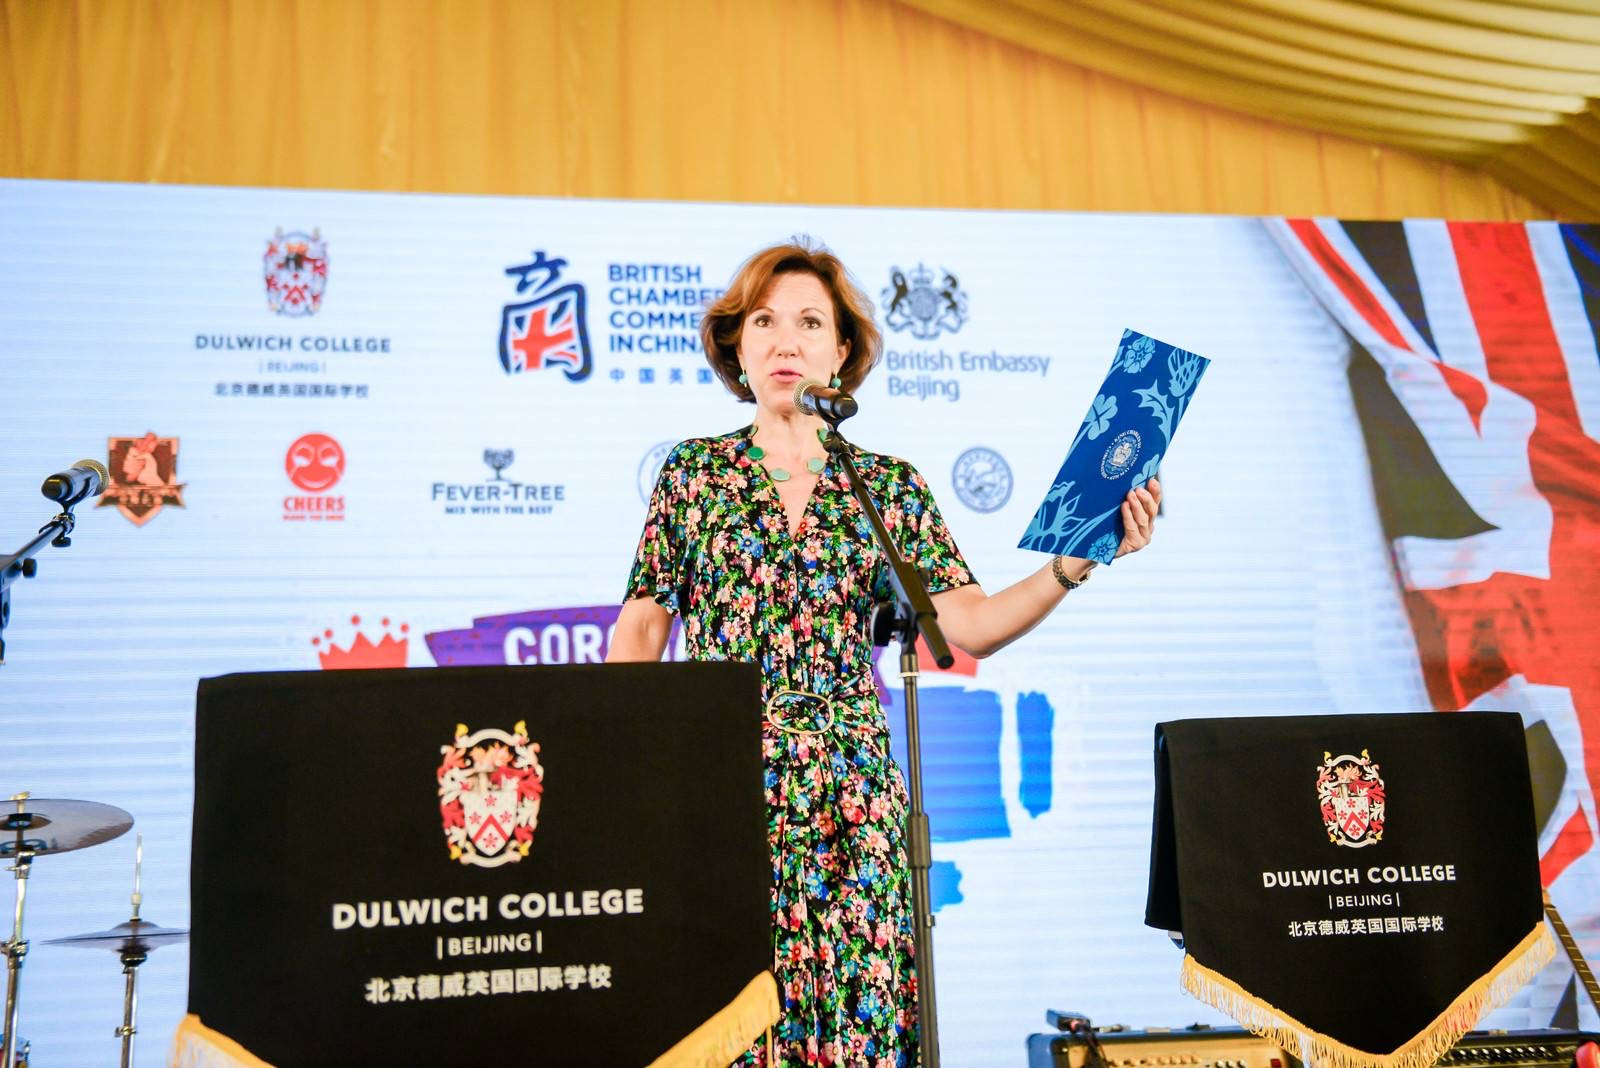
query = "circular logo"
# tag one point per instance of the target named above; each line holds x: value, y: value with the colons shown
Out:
x: 650, y: 468
x: 1121, y: 454
x: 983, y: 479
x: 314, y: 462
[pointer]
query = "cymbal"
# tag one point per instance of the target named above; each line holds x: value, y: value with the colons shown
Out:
x: 50, y: 825
x: 125, y: 936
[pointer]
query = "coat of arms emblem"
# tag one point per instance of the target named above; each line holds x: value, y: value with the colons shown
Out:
x: 490, y: 783
x: 924, y: 304
x: 144, y: 477
x: 296, y: 269
x: 1351, y: 796
x: 550, y: 329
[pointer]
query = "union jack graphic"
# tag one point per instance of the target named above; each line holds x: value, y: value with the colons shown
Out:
x: 1476, y: 375
x: 551, y: 329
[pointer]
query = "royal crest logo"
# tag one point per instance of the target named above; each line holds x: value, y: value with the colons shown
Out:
x: 550, y: 329
x: 1351, y: 797
x: 1121, y: 454
x: 296, y: 269
x: 983, y: 479
x: 490, y: 785
x: 144, y: 477
x: 923, y: 303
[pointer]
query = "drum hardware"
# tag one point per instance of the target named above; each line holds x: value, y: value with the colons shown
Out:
x: 1574, y: 954
x: 42, y: 827
x: 132, y: 942
x: 1077, y: 1043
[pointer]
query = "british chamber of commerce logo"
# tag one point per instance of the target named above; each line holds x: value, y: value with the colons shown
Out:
x: 360, y: 651
x: 490, y: 784
x: 650, y: 468
x: 1351, y: 797
x: 498, y: 494
x: 296, y: 270
x: 549, y: 327
x: 314, y: 464
x: 924, y: 303
x: 144, y: 476
x: 983, y: 479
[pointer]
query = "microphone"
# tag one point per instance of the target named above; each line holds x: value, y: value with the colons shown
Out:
x: 86, y: 478
x: 814, y: 398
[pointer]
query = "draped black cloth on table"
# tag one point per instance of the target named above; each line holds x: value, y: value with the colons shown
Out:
x: 1360, y: 888
x: 553, y: 865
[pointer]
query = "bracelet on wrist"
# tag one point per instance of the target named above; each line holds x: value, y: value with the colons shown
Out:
x: 1060, y: 573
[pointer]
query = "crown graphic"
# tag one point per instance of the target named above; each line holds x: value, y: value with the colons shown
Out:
x: 388, y: 652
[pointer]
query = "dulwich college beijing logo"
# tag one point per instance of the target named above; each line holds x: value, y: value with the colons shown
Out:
x: 549, y: 329
x: 1351, y: 796
x: 296, y: 270
x: 314, y: 463
x: 389, y: 651
x: 490, y: 783
x: 924, y: 304
x: 144, y: 477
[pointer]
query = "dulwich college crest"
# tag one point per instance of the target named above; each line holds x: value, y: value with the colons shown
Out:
x: 924, y: 304
x: 1351, y: 797
x: 489, y: 788
x: 550, y: 329
x: 296, y: 269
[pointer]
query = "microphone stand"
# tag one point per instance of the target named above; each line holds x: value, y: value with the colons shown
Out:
x: 909, y: 614
x: 57, y: 532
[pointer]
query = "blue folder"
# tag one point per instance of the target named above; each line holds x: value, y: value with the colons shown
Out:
x: 1119, y: 447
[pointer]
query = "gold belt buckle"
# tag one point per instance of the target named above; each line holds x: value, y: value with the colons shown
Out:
x: 773, y: 708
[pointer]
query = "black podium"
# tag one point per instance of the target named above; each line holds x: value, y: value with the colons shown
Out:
x: 554, y: 865
x: 1358, y: 888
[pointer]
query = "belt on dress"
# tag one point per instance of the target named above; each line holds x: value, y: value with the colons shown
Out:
x: 809, y: 714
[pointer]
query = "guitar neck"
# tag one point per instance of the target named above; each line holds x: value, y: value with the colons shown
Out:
x: 1570, y: 944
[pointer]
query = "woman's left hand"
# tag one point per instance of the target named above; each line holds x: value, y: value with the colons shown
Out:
x: 1139, y: 517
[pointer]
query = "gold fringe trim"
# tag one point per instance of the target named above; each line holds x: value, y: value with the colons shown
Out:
x: 198, y: 1046
x: 730, y: 1032
x: 1318, y: 1050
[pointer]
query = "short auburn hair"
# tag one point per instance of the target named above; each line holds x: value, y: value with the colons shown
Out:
x: 852, y: 312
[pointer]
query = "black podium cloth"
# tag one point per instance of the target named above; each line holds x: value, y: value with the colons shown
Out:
x: 1358, y: 888
x: 552, y: 865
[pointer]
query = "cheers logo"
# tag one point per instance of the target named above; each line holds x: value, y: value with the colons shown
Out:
x: 314, y: 464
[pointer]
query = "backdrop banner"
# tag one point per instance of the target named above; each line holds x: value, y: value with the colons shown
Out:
x: 1360, y: 888
x: 361, y: 429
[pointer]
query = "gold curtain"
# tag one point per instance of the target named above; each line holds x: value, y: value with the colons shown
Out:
x: 814, y: 101
x: 1510, y: 86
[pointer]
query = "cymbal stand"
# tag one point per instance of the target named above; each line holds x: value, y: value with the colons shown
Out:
x: 17, y: 947
x: 133, y: 954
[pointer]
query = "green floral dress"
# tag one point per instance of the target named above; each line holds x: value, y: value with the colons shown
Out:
x: 717, y: 551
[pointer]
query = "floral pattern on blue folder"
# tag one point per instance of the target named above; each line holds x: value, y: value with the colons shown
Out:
x: 1119, y: 447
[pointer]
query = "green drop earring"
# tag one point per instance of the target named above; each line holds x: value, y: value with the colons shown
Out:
x: 836, y: 382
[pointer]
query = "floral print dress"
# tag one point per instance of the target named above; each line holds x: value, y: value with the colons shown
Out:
x: 716, y: 551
